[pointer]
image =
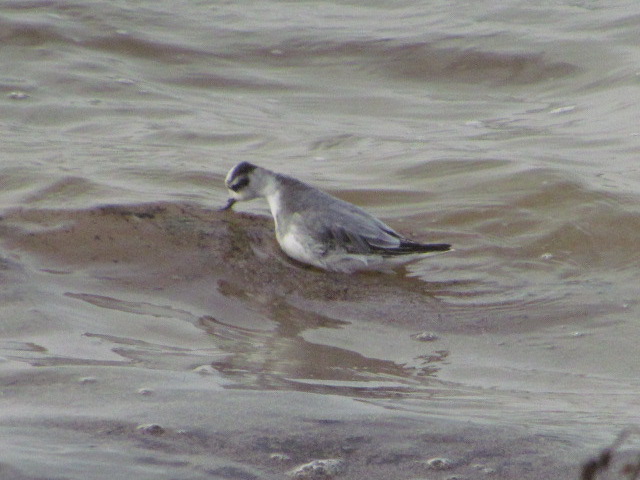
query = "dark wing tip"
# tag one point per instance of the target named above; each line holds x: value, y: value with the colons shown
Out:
x: 406, y: 248
x: 437, y: 247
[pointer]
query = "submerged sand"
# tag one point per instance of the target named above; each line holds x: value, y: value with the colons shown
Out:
x: 172, y: 341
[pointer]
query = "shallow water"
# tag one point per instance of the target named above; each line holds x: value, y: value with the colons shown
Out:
x: 510, y: 131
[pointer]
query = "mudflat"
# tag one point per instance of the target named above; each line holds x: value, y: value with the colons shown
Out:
x: 172, y: 341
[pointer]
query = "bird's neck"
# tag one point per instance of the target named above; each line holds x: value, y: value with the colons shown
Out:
x: 274, y: 198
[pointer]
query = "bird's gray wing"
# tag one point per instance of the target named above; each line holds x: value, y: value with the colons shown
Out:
x: 381, y: 241
x: 351, y: 233
x: 362, y: 242
x: 326, y: 225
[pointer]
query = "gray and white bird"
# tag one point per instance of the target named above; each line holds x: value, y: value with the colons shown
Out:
x: 319, y: 229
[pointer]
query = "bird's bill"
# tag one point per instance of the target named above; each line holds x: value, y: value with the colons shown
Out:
x: 229, y: 204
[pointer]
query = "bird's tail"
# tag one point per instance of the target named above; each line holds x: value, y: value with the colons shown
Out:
x: 407, y: 248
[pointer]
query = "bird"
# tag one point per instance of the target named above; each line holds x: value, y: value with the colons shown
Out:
x: 318, y: 229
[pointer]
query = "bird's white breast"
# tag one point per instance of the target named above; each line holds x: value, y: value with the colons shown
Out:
x: 294, y: 246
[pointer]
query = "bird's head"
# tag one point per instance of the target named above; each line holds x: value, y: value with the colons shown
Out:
x: 245, y: 182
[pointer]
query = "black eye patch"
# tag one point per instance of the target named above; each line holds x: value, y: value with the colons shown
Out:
x: 243, y: 182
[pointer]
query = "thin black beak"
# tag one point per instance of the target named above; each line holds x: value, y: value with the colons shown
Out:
x: 229, y: 204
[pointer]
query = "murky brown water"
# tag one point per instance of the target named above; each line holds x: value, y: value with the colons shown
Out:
x: 127, y: 300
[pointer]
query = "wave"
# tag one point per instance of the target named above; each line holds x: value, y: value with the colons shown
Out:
x: 418, y: 61
x: 412, y: 60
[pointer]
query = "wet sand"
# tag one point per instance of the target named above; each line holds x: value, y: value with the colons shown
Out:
x: 172, y: 341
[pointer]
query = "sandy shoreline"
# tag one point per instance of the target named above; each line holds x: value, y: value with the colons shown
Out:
x: 116, y: 327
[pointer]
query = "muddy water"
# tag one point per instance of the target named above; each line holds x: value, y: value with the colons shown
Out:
x: 144, y: 333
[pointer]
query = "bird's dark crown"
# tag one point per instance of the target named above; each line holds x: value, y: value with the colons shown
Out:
x: 243, y: 168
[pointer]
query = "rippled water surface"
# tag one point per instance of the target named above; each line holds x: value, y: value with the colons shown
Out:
x: 510, y: 130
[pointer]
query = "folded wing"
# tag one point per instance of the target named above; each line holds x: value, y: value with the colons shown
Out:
x: 377, y: 239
